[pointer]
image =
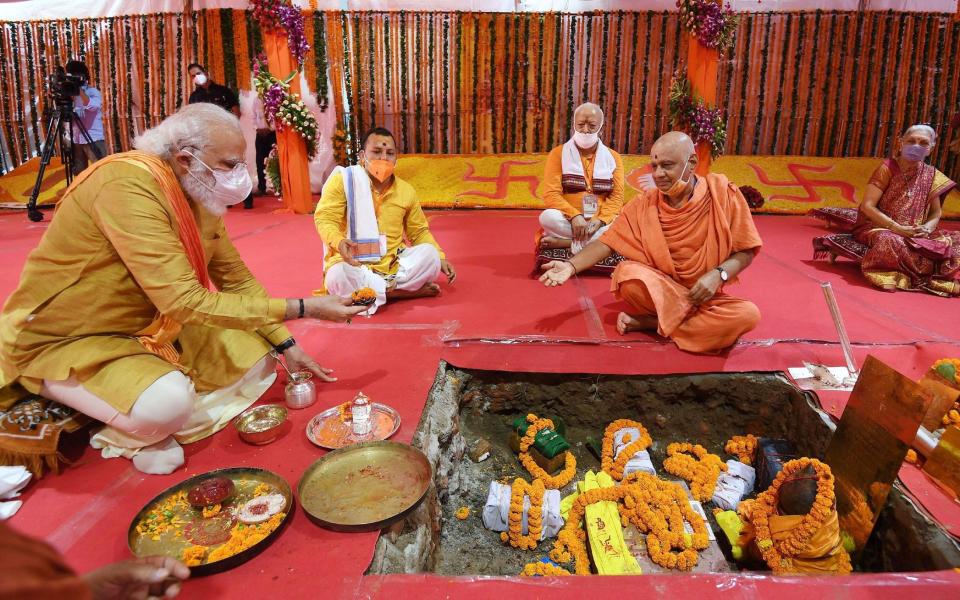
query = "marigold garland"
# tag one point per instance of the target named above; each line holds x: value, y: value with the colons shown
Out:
x: 462, y: 513
x: 744, y: 447
x: 514, y: 534
x: 542, y: 569
x: 655, y: 507
x: 779, y: 555
x: 614, y: 467
x: 692, y: 463
x: 553, y: 482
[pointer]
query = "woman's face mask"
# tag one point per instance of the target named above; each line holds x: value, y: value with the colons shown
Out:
x: 230, y: 187
x: 914, y: 152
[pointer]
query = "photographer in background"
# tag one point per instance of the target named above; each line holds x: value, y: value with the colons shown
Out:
x: 88, y: 106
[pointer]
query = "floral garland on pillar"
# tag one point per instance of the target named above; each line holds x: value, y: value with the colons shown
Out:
x: 283, y: 109
x: 691, y: 114
x: 273, y: 15
x: 710, y: 22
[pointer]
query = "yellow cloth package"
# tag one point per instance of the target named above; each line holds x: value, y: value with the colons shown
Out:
x: 607, y: 547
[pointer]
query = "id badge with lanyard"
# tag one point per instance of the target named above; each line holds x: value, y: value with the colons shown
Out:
x: 591, y: 205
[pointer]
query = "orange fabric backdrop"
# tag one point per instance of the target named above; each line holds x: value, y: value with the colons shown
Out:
x: 702, y: 63
x: 292, y: 150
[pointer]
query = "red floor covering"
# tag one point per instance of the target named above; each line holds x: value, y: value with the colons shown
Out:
x: 494, y: 317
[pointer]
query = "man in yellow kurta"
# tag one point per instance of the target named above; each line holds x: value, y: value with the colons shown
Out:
x: 682, y: 241
x: 583, y: 185
x: 364, y: 214
x: 114, y: 315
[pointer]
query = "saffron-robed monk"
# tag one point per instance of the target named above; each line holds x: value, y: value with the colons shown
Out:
x: 682, y: 241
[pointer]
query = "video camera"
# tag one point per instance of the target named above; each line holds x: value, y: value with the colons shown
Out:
x: 64, y: 86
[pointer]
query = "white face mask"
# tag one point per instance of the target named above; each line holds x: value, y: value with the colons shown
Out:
x: 586, y: 140
x: 230, y: 187
x: 199, y: 79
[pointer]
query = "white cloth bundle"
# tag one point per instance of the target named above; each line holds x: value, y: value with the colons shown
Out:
x: 497, y: 510
x: 12, y: 480
x: 734, y: 484
x: 640, y: 461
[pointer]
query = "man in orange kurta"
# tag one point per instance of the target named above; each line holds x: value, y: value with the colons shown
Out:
x: 583, y: 185
x: 682, y: 242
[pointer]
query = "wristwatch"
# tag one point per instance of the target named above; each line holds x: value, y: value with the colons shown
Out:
x: 724, y: 276
x: 285, y: 345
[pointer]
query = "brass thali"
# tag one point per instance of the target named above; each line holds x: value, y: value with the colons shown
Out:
x: 365, y: 486
x: 173, y: 539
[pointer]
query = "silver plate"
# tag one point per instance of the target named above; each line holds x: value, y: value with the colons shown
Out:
x: 328, y: 431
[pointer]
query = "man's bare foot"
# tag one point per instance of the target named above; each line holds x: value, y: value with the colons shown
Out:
x: 627, y: 323
x: 427, y: 291
x: 552, y: 243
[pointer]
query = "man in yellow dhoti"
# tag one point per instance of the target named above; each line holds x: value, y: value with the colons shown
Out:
x: 115, y: 317
x: 365, y: 216
x: 583, y: 185
x: 682, y: 241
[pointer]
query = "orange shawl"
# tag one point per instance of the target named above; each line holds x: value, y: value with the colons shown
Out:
x: 158, y: 337
x: 823, y: 555
x: 686, y: 242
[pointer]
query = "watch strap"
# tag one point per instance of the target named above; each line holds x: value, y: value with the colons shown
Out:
x: 285, y: 345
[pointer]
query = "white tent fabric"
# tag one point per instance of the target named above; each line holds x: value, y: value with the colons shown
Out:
x: 21, y: 10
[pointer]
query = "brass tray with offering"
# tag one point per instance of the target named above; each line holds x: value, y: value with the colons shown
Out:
x: 214, y: 521
x: 366, y: 486
x: 332, y: 428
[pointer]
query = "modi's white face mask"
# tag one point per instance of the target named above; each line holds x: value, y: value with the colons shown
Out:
x: 229, y: 188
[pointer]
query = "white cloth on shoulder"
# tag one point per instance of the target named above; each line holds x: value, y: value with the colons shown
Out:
x: 497, y: 510
x: 640, y: 461
x: 733, y: 484
x: 362, y: 226
x: 572, y: 167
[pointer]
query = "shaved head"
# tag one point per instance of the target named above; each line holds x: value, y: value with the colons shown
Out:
x: 673, y: 157
x: 676, y: 144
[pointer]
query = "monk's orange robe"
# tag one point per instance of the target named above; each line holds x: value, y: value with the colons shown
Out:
x: 667, y: 250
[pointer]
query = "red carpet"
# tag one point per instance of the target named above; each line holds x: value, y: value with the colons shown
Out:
x: 494, y: 317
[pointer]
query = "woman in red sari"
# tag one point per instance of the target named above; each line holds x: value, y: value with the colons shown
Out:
x: 898, y: 221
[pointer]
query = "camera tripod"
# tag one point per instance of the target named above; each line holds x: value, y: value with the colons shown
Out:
x: 62, y: 120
